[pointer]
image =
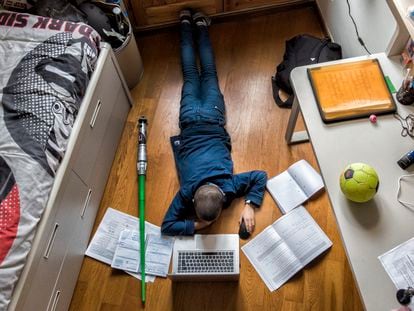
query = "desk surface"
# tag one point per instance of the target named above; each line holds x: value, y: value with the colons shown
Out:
x: 373, y: 228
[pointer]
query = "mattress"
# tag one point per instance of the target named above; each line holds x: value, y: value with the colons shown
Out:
x: 45, y: 66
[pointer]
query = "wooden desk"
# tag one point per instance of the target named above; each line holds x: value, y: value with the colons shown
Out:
x: 368, y: 229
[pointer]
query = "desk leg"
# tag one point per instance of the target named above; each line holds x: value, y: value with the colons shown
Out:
x: 291, y: 136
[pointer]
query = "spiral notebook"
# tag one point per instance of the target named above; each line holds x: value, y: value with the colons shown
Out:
x: 351, y: 90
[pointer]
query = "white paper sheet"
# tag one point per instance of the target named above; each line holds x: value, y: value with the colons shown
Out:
x: 158, y: 251
x: 399, y: 264
x: 127, y: 252
x: 104, y: 242
x: 158, y: 254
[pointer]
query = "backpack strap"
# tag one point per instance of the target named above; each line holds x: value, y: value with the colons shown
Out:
x: 324, y: 42
x: 282, y: 104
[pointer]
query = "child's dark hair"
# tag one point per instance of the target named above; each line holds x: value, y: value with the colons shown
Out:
x: 208, y: 202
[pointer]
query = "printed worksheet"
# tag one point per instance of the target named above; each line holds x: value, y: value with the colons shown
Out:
x: 104, y: 242
x: 158, y: 251
x: 399, y: 264
x: 158, y: 254
x: 127, y: 253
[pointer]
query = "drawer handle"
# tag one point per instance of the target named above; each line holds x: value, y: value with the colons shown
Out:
x: 51, y: 241
x: 95, y: 113
x: 55, y: 300
x: 85, y: 205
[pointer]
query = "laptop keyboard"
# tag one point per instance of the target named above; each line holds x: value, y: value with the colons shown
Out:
x: 206, y: 261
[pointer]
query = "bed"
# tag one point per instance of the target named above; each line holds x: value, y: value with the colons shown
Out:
x: 63, y: 107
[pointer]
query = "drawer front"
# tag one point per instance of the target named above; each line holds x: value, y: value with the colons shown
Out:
x: 61, y: 229
x: 102, y: 166
x: 167, y: 11
x: 235, y: 5
x: 63, y: 291
x: 61, y: 295
x: 109, y: 146
x: 96, y: 122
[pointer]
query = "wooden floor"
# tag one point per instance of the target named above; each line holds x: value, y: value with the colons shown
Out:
x: 247, y: 51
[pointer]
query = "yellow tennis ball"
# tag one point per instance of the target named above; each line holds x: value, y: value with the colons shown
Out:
x: 359, y: 182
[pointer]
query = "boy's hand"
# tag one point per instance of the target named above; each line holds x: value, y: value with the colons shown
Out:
x: 248, y: 216
x: 201, y: 224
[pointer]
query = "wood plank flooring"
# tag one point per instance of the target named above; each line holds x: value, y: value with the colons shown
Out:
x: 247, y: 51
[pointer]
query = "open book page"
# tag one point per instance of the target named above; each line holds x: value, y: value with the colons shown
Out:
x: 294, y: 186
x: 285, y: 191
x: 285, y: 247
x: 302, y: 234
x: 272, y: 258
x: 306, y: 177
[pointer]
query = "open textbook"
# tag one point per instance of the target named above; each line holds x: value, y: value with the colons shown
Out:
x: 285, y: 247
x: 294, y: 186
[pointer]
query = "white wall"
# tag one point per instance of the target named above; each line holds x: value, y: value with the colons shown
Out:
x: 376, y: 24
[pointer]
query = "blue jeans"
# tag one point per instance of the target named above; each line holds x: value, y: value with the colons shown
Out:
x: 201, y: 99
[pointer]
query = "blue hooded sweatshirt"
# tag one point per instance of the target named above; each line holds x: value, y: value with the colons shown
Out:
x: 203, y: 154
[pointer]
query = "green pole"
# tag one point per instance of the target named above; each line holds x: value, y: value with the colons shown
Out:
x: 141, y: 198
x: 142, y: 171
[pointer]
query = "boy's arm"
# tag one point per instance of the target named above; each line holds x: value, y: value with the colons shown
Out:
x: 174, y: 222
x: 252, y: 185
x: 201, y: 224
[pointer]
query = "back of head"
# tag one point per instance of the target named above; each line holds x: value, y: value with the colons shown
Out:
x: 208, y: 202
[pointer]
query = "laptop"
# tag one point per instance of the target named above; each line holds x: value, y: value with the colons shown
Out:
x: 206, y: 257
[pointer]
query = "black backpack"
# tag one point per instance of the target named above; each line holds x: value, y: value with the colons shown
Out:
x: 300, y: 51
